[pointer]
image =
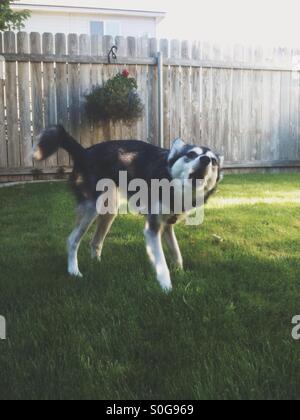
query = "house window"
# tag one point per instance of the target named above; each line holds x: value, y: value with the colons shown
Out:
x: 113, y: 28
x: 97, y: 28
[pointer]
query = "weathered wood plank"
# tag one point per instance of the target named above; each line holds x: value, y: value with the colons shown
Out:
x: 36, y: 91
x: 275, y: 106
x: 109, y: 71
x: 258, y: 107
x: 85, y: 87
x: 294, y: 135
x: 142, y: 79
x: 196, y: 96
x: 121, y: 43
x: 285, y: 57
x: 13, y: 135
x: 247, y: 111
x: 206, y: 119
x: 186, y: 112
x: 131, y: 128
x: 97, y: 80
x: 226, y: 105
x: 164, y: 49
x: 175, y: 92
x: 217, y: 88
x: 24, y: 102
x: 1, y: 44
x: 49, y: 91
x: 267, y: 116
x: 62, y: 92
x: 3, y: 139
x: 237, y: 102
x: 86, y: 59
x: 73, y: 86
x: 153, y: 95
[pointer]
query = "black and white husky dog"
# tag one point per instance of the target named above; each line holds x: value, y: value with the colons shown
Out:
x: 141, y: 161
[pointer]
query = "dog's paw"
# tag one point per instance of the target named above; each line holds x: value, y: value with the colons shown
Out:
x: 179, y: 266
x: 167, y: 289
x: 165, y: 282
x: 96, y: 254
x: 75, y: 273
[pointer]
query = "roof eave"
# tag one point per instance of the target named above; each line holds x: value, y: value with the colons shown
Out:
x: 159, y: 16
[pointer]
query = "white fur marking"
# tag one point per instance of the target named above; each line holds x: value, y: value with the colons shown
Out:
x: 173, y: 246
x: 158, y: 259
x: 88, y: 214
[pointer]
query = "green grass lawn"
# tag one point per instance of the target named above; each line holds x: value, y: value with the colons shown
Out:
x: 223, y: 333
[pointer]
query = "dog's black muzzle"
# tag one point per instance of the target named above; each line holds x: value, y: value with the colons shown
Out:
x: 201, y: 173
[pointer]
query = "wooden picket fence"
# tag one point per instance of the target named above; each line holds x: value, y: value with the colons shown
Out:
x: 243, y: 102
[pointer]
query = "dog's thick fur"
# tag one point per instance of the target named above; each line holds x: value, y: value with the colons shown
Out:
x: 141, y: 161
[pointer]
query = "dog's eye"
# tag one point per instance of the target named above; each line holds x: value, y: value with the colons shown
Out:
x: 192, y: 155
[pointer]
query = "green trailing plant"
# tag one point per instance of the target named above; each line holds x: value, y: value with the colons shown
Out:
x: 115, y: 100
x: 11, y: 20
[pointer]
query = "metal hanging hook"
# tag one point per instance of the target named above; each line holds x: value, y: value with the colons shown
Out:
x: 112, y: 54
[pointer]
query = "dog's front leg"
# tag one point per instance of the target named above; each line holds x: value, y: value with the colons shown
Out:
x: 156, y: 254
x: 173, y: 246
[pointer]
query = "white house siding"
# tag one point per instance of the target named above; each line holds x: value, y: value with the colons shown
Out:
x: 80, y: 23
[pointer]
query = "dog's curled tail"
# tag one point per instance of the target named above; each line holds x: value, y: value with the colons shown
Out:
x: 53, y: 138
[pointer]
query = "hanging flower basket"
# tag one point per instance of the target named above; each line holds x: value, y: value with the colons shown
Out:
x: 117, y: 99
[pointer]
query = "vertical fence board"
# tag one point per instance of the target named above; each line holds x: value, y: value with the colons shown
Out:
x: 84, y: 88
x: 275, y: 108
x: 121, y: 43
x: 24, y: 102
x: 12, y: 104
x: 226, y: 104
x: 49, y: 91
x: 73, y: 85
x: 206, y: 120
x: 217, y: 88
x: 36, y: 91
x: 109, y: 71
x: 285, y: 106
x: 294, y: 107
x: 142, y: 78
x: 186, y: 113
x: 99, y: 129
x: 164, y: 49
x: 258, y: 107
x: 132, y: 53
x: 196, y: 97
x: 153, y: 96
x: 3, y: 143
x: 62, y: 92
x: 247, y: 117
x: 266, y: 143
x: 175, y: 92
x: 237, y: 101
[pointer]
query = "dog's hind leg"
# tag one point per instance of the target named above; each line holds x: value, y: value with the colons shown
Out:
x: 86, y: 216
x: 153, y: 236
x: 173, y: 246
x: 104, y: 224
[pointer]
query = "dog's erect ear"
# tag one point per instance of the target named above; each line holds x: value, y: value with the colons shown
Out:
x: 176, y: 148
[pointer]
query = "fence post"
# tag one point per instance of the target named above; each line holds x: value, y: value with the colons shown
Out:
x: 160, y: 68
x: 3, y: 144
